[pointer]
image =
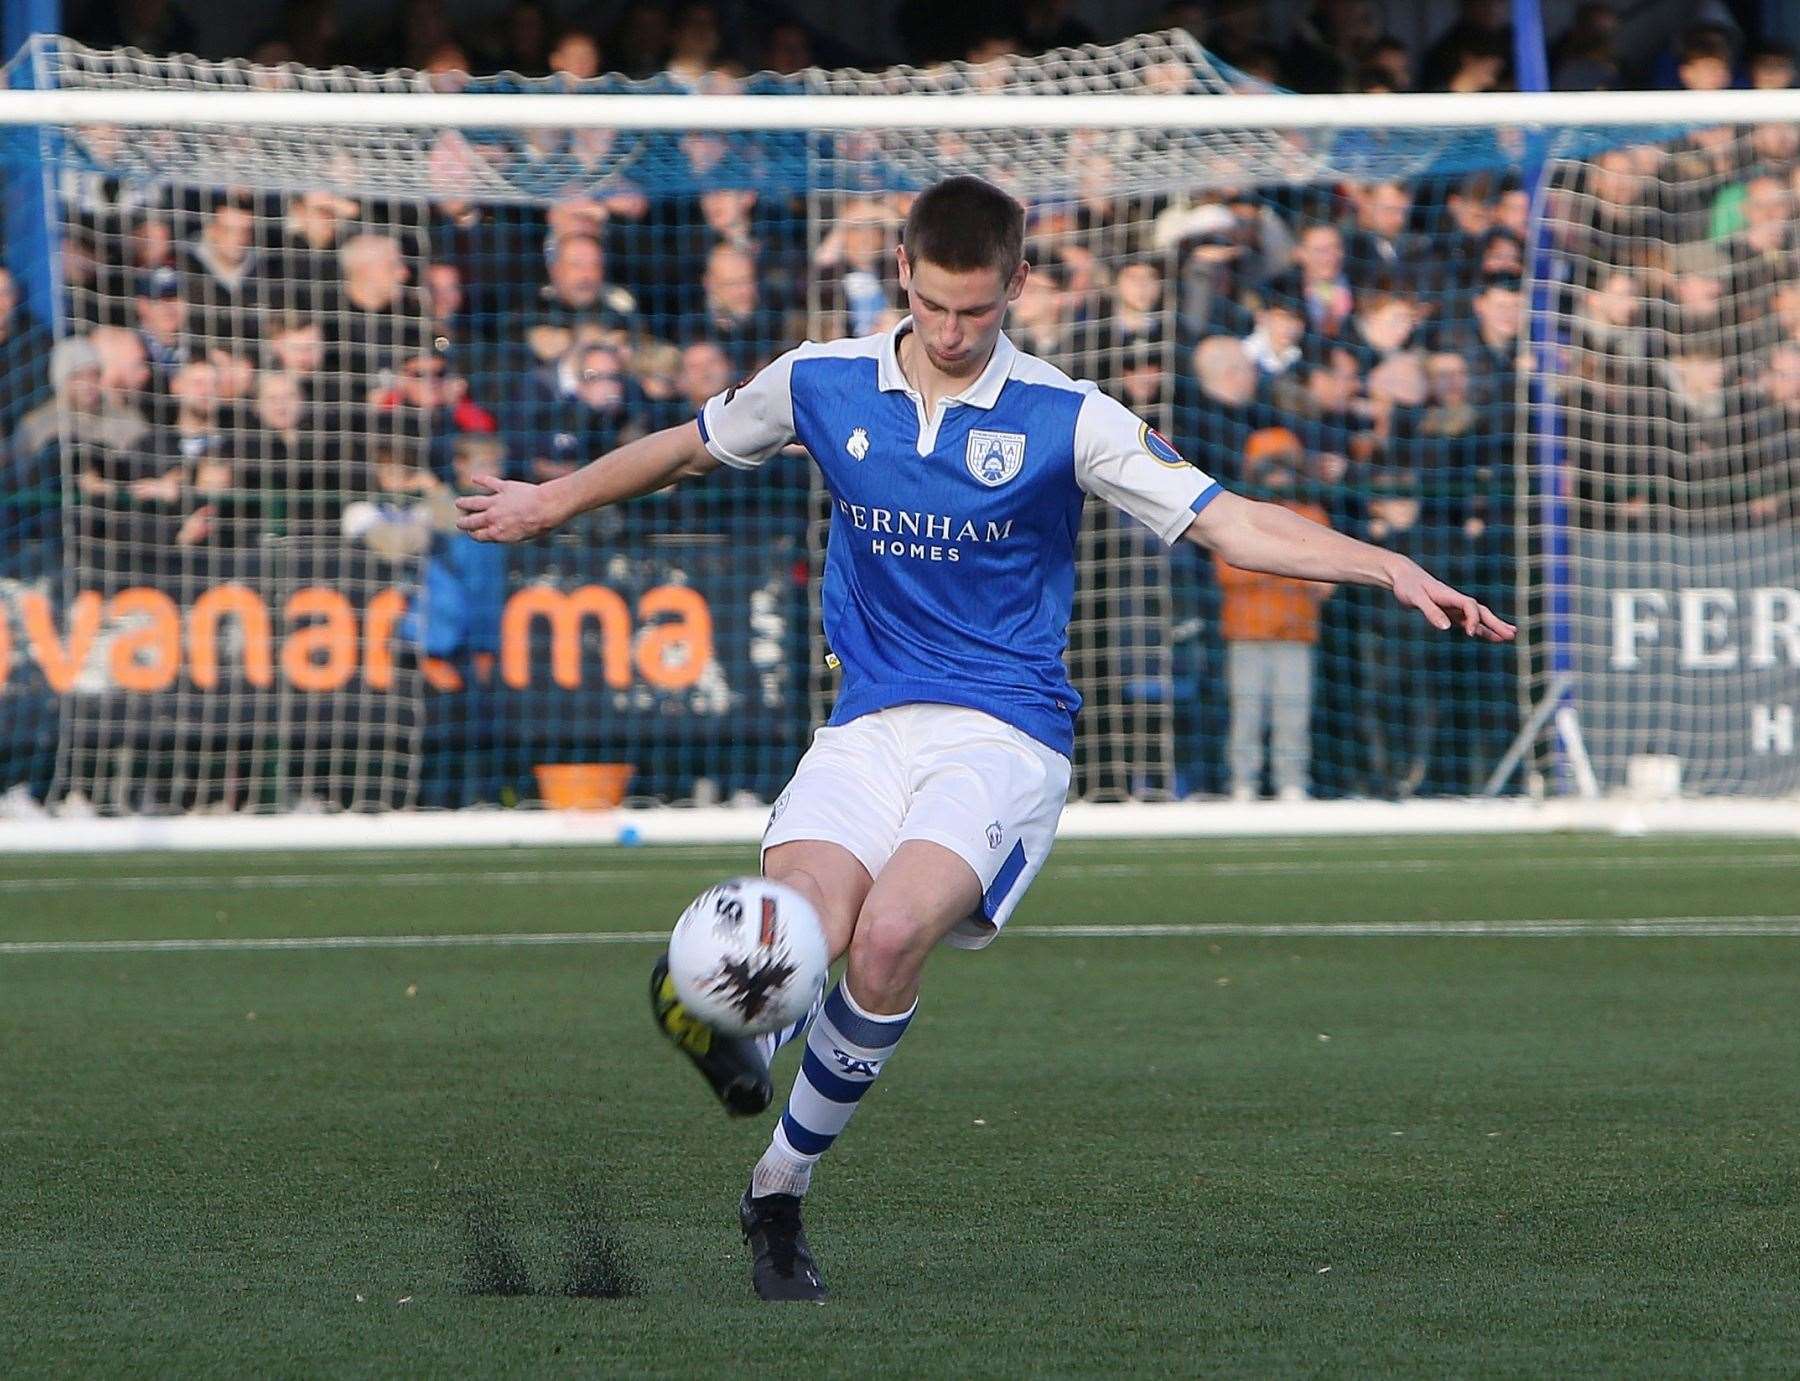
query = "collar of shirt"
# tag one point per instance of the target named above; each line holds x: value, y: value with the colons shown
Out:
x: 983, y: 393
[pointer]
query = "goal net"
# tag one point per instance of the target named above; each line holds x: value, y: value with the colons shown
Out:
x: 229, y: 579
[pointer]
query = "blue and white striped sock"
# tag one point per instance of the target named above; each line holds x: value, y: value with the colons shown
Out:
x: 774, y: 1040
x: 844, y: 1053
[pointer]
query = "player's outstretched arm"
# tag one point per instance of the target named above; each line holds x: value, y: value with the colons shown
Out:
x: 516, y: 511
x: 1267, y: 537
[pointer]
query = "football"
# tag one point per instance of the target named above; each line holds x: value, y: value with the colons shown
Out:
x: 748, y: 956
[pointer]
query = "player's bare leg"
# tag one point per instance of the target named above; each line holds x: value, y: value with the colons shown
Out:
x: 922, y: 893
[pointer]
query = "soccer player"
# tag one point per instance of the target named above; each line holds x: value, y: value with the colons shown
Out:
x: 957, y: 468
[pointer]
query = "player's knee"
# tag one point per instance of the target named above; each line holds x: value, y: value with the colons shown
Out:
x: 886, y: 954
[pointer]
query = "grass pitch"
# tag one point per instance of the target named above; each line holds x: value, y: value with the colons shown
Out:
x: 1469, y: 1106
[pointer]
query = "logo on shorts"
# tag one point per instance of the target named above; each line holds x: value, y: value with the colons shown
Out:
x: 781, y: 804
x: 858, y: 444
x: 994, y: 835
x: 995, y: 457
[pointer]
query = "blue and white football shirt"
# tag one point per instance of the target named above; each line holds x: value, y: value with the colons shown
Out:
x: 951, y: 566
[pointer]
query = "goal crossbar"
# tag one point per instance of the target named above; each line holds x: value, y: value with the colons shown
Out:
x: 813, y: 110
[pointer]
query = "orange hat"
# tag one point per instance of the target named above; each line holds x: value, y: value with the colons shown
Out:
x: 1271, y: 441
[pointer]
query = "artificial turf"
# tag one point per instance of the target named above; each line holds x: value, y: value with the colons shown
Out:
x: 1273, y: 1153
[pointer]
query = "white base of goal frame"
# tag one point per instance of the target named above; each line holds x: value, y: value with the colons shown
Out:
x: 729, y: 826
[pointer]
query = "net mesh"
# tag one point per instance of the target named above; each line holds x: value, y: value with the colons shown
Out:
x: 231, y: 583
x: 1664, y: 458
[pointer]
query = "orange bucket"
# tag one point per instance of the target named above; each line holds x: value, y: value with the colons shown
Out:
x: 583, y: 785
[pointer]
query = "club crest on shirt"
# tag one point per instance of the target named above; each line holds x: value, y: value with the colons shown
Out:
x: 858, y: 444
x: 995, y: 457
x: 1158, y: 446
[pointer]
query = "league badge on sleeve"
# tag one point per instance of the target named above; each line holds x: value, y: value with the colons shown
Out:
x: 995, y: 457
x: 1158, y: 446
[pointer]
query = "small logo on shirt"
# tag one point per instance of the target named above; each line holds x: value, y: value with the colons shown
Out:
x: 994, y: 835
x: 858, y: 444
x: 1158, y: 446
x: 995, y: 457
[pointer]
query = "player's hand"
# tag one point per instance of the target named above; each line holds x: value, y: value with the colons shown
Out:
x: 511, y: 511
x: 1444, y: 607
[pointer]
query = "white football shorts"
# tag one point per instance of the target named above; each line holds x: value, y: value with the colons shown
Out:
x: 986, y: 791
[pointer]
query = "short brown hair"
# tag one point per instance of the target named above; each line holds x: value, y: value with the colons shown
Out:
x: 964, y: 223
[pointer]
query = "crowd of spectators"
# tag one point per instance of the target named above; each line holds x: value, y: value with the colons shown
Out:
x: 241, y: 366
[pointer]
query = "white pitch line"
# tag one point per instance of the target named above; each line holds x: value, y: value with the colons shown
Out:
x: 581, y: 877
x: 1635, y: 926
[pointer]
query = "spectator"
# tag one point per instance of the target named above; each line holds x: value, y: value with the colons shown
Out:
x: 656, y: 370
x: 457, y: 617
x: 445, y: 325
x: 1482, y: 27
x: 639, y: 41
x: 1584, y: 57
x: 1478, y: 64
x: 1039, y: 321
x: 1380, y: 246
x: 1502, y: 252
x: 80, y: 409
x: 696, y: 47
x: 1771, y: 65
x: 1492, y: 342
x: 583, y: 413
x: 1398, y: 706
x: 494, y: 249
x: 124, y: 369
x: 1213, y: 246
x: 428, y: 402
x: 705, y: 372
x: 1317, y: 284
x: 1609, y: 326
x: 1319, y: 398
x: 1223, y: 410
x: 1384, y: 321
x: 378, y: 322
x: 161, y: 318
x: 577, y: 303
x: 787, y: 48
x: 1141, y: 384
x: 1692, y: 302
x: 734, y: 317
x: 290, y: 458
x: 224, y: 291
x: 1274, y: 346
x: 24, y: 356
x: 1774, y: 444
x: 1270, y: 625
x: 1761, y: 254
x: 154, y: 496
x: 854, y: 266
x: 1698, y: 464
x: 1133, y: 315
x: 303, y: 267
x: 575, y: 55
x: 1614, y: 222
x: 1330, y: 43
x: 1703, y: 58
x: 1469, y: 208
x: 295, y: 345
x: 522, y: 43
x: 148, y: 245
x: 1047, y: 24
x: 1388, y: 65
